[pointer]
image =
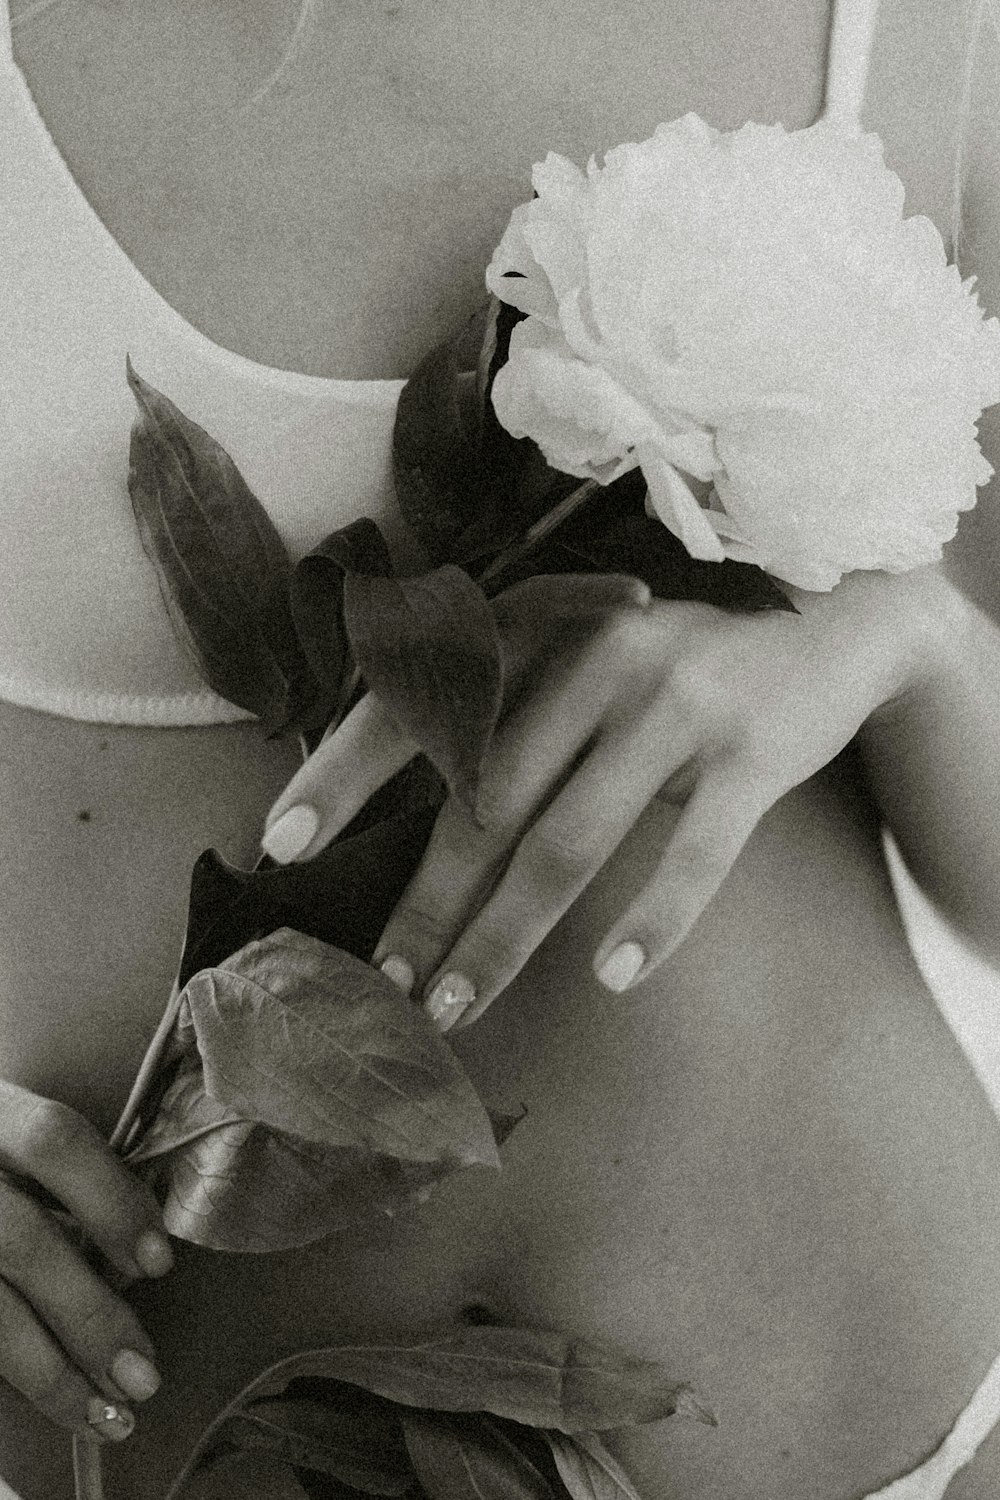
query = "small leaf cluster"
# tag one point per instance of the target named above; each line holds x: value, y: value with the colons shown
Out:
x: 475, y: 1413
x: 276, y: 1117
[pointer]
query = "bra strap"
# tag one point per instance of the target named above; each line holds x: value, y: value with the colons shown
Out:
x: 851, y: 34
x: 6, y: 42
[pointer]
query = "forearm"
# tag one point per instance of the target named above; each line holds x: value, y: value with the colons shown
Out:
x: 931, y: 756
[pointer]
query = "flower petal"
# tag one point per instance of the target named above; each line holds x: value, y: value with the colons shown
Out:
x: 752, y: 308
x: 678, y: 509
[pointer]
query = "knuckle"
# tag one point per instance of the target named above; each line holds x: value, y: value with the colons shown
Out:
x: 551, y: 859
x: 624, y: 636
x: 496, y: 804
x: 697, y: 860
x: 416, y: 924
x: 757, y: 769
x: 499, y: 953
x: 463, y: 838
x: 695, y: 688
x: 102, y: 1324
x: 22, y: 1237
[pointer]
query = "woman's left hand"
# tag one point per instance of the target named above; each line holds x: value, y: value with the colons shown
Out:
x: 722, y: 712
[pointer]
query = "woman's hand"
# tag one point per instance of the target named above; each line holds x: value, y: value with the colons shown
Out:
x: 67, y: 1341
x: 722, y: 712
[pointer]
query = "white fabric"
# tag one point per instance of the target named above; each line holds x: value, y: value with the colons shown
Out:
x: 83, y: 631
x: 973, y: 1427
x: 852, y: 32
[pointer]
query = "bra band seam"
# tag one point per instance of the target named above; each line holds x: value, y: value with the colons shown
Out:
x: 166, y: 709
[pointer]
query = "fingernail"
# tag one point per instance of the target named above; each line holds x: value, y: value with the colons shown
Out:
x: 153, y: 1253
x: 108, y: 1420
x: 449, y: 999
x: 399, y: 971
x: 134, y: 1374
x: 621, y: 966
x: 293, y: 832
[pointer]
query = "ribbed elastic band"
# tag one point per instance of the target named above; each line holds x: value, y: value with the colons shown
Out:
x: 170, y: 710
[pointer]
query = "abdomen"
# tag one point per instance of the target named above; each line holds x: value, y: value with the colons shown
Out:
x: 769, y: 1167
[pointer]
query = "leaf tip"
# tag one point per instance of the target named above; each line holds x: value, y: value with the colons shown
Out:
x: 687, y: 1404
x: 135, y: 381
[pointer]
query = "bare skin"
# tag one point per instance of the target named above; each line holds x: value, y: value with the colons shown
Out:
x: 748, y: 1168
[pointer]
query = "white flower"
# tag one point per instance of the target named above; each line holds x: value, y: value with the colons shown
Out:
x: 751, y: 309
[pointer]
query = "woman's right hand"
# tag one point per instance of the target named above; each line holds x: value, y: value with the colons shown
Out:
x: 68, y: 1342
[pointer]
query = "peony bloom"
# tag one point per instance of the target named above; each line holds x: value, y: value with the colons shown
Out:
x: 750, y: 309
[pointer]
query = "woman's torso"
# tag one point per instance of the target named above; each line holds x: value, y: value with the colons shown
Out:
x: 745, y: 1170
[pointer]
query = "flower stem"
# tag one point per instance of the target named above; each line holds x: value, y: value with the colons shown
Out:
x: 541, y: 529
x: 147, y: 1071
x: 88, y: 1482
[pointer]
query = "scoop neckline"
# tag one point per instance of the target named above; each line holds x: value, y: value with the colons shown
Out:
x: 240, y: 363
x: 850, y: 38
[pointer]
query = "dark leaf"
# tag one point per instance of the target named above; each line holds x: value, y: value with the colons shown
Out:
x: 471, y: 1458
x: 310, y: 1093
x: 322, y: 1487
x: 227, y: 1472
x: 587, y: 1469
x: 505, y: 1124
x: 543, y: 615
x: 309, y: 1040
x: 464, y: 484
x: 220, y: 563
x: 522, y: 1375
x: 433, y: 457
x: 246, y: 1188
x: 317, y: 602
x: 315, y: 1436
x: 429, y: 647
x: 516, y: 484
x: 613, y: 534
x: 496, y: 350
x: 344, y: 895
x: 531, y: 1376
x: 517, y: 488
x: 486, y: 365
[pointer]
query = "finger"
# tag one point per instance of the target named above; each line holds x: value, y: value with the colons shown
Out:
x: 53, y: 1145
x: 336, y: 781
x: 98, y: 1331
x: 530, y: 755
x: 554, y: 612
x: 34, y: 1364
x: 708, y: 838
x: 557, y: 858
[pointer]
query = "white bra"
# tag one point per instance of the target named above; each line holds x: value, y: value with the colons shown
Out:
x: 83, y: 631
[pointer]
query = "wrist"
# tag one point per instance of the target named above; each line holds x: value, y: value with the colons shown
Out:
x: 912, y: 625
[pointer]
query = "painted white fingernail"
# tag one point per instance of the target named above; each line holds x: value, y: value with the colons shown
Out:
x: 109, y: 1420
x: 153, y: 1253
x: 293, y: 832
x: 399, y: 971
x: 133, y: 1374
x: 449, y: 999
x: 621, y: 966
